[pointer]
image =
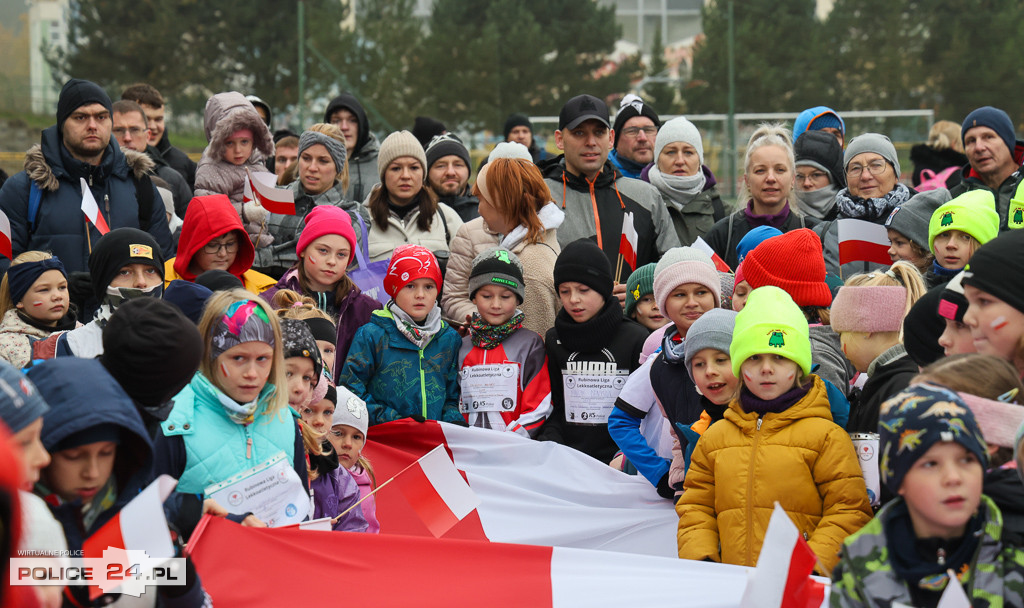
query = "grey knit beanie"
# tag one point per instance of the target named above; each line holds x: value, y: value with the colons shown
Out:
x: 911, y: 219
x: 872, y: 142
x: 397, y: 145
x: 712, y: 330
x: 678, y: 129
x: 497, y: 266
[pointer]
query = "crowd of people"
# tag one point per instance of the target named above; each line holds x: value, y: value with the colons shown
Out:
x: 734, y: 356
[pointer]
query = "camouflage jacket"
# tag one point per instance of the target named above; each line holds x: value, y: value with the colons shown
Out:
x: 865, y: 576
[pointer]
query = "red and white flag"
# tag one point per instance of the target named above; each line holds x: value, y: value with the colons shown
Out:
x: 702, y: 245
x: 783, y: 578
x: 91, y: 209
x: 273, y: 199
x: 6, y: 248
x: 140, y: 525
x: 861, y: 241
x: 628, y: 241
x: 437, y: 492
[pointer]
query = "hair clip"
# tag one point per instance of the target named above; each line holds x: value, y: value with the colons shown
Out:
x: 1008, y: 396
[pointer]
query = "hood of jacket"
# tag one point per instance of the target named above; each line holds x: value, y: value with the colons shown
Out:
x: 47, y: 162
x: 814, y: 404
x: 348, y: 102
x: 228, y: 112
x: 207, y: 218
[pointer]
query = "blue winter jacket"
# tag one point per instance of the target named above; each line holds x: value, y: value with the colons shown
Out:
x: 60, y: 223
x: 396, y: 379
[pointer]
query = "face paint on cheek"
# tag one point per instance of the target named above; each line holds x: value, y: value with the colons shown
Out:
x: 999, y: 323
x: 747, y: 376
x: 224, y: 370
x: 37, y: 304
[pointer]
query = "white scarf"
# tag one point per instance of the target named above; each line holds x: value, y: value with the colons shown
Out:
x: 550, y: 216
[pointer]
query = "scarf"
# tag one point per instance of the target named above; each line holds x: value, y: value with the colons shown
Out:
x: 550, y: 216
x: 818, y: 203
x: 871, y: 209
x: 66, y: 323
x: 923, y: 562
x: 777, y: 220
x: 418, y: 334
x: 592, y: 335
x: 488, y: 336
x: 239, y: 413
x: 117, y: 296
x: 945, y: 273
x: 751, y: 403
x: 673, y: 347
x: 629, y: 167
x: 680, y: 189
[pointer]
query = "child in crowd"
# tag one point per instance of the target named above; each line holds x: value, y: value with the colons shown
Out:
x: 868, y: 315
x: 990, y: 387
x: 956, y: 337
x: 640, y: 304
x: 499, y: 353
x: 777, y: 443
x: 957, y: 229
x: 591, y: 350
x: 348, y: 436
x: 239, y: 141
x: 686, y: 286
x: 740, y: 290
x: 996, y: 301
x: 404, y: 362
x: 325, y: 248
x: 213, y: 238
x: 907, y: 227
x: 933, y: 457
x: 291, y: 305
x: 34, y: 301
x: 302, y: 363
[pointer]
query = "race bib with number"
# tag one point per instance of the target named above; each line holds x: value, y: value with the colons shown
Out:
x: 489, y: 388
x: 589, y: 398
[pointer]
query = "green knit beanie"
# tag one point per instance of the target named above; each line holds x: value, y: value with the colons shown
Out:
x: 770, y: 323
x: 638, y: 285
x: 973, y: 212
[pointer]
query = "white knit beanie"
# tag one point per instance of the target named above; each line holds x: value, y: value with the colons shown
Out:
x: 681, y: 265
x: 510, y: 149
x: 350, y: 410
x: 397, y: 145
x: 678, y: 129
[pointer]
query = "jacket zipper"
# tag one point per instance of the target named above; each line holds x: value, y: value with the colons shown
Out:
x: 423, y: 385
x: 248, y: 443
x: 750, y: 491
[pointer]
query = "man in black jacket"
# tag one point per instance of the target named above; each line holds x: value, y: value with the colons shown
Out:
x: 153, y: 105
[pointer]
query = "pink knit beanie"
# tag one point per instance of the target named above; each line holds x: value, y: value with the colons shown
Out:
x: 324, y: 220
x: 681, y: 265
x: 869, y: 308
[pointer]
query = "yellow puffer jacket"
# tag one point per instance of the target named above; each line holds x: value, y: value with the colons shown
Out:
x: 798, y: 458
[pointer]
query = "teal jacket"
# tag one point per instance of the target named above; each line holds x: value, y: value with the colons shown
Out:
x: 217, y: 448
x: 865, y: 576
x: 398, y: 380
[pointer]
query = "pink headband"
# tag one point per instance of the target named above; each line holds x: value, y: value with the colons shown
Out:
x: 241, y: 133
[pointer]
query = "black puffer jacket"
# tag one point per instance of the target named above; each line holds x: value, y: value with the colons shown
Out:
x: 926, y: 157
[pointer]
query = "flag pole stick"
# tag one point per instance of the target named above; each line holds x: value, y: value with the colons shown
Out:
x: 260, y: 234
x: 618, y: 268
x: 377, y: 489
x: 88, y: 236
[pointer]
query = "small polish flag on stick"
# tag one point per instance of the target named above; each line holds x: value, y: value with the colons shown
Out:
x: 627, y: 244
x: 437, y: 491
x: 702, y: 245
x: 782, y: 578
x: 5, y: 237
x: 861, y: 241
x: 273, y: 199
x: 140, y: 525
x: 91, y: 209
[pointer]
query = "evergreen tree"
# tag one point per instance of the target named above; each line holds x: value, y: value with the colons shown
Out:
x: 661, y: 95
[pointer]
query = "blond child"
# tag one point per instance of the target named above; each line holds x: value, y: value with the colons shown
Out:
x: 957, y: 229
x: 35, y: 303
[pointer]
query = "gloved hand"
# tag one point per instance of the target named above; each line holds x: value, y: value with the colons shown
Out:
x: 665, y: 490
x: 418, y: 417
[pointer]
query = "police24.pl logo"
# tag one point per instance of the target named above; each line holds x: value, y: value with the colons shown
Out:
x: 121, y: 571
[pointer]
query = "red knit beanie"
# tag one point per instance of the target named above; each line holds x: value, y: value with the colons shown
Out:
x: 324, y: 220
x: 793, y: 262
x: 408, y: 263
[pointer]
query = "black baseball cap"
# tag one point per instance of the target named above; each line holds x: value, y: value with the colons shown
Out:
x: 582, y: 108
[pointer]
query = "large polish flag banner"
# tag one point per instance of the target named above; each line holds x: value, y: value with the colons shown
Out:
x: 861, y: 241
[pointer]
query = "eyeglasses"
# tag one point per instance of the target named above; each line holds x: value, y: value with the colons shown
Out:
x: 229, y: 247
x: 135, y: 131
x: 650, y: 131
x: 876, y: 167
x: 814, y: 176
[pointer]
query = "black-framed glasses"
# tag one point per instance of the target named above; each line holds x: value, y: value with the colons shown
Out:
x: 813, y: 176
x: 229, y: 247
x: 876, y: 167
x: 649, y: 131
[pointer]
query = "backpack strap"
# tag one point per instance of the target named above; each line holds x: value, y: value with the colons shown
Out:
x: 444, y: 222
x: 34, y: 196
x: 728, y: 233
x: 717, y: 207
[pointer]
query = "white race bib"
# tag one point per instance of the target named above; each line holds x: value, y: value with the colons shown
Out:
x: 272, y: 491
x: 489, y: 388
x: 589, y: 398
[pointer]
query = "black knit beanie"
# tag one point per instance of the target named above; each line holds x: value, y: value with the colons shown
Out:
x: 922, y: 327
x: 516, y: 120
x: 77, y: 93
x: 117, y: 249
x: 425, y: 128
x: 822, y: 150
x: 583, y: 261
x: 637, y: 107
x: 151, y: 349
x: 447, y: 144
x: 996, y: 266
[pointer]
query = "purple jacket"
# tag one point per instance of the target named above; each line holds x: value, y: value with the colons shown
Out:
x: 353, y: 312
x: 335, y: 491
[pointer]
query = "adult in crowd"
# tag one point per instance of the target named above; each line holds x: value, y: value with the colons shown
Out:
x: 633, y: 134
x: 322, y: 180
x: 44, y: 202
x: 820, y: 118
x: 402, y: 209
x: 425, y: 128
x: 263, y: 109
x: 685, y: 183
x: 286, y: 154
x: 768, y: 171
x: 448, y: 174
x: 819, y: 174
x: 596, y: 198
x: 153, y: 105
x: 213, y: 238
x: 519, y: 129
x: 516, y: 214
x: 131, y: 130
x: 942, y: 155
x: 361, y: 146
x: 873, y: 190
x: 994, y: 155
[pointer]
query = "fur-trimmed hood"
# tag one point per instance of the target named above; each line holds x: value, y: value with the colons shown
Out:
x: 44, y: 162
x: 229, y: 112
